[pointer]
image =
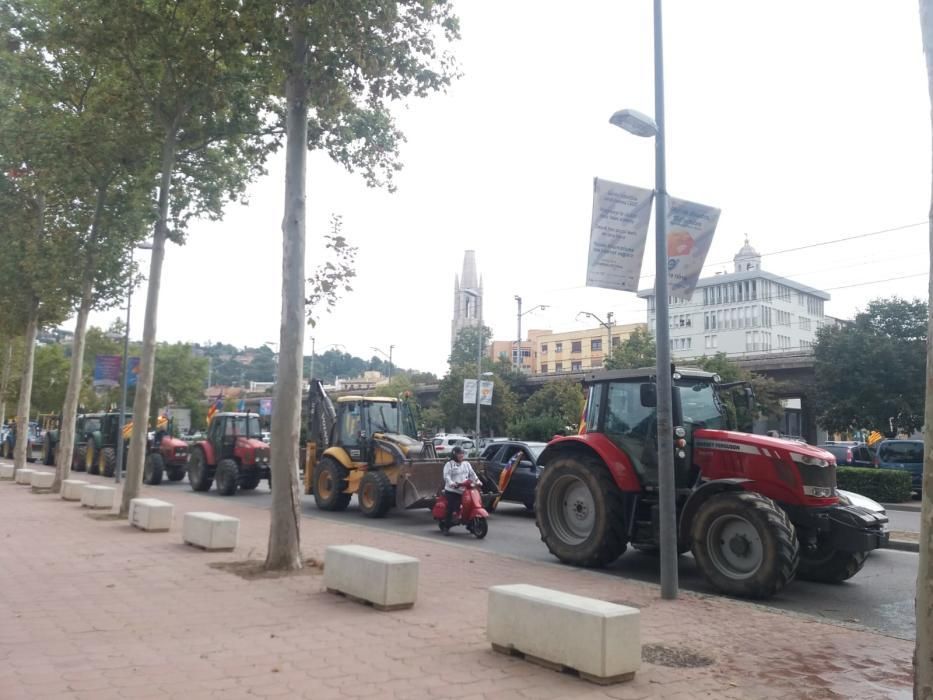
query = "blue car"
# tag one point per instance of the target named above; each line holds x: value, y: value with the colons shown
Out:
x: 521, y: 488
x: 906, y: 455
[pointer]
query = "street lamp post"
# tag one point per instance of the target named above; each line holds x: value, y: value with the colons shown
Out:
x: 311, y: 378
x: 607, y: 324
x: 641, y: 125
x: 275, y: 361
x: 518, y: 351
x: 121, y: 421
x: 478, y: 296
x: 391, y: 348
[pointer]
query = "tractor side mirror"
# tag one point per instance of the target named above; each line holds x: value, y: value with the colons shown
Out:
x: 649, y: 395
x: 749, y: 398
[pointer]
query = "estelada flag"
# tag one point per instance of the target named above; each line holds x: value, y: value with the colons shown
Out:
x: 874, y: 436
x: 216, y: 406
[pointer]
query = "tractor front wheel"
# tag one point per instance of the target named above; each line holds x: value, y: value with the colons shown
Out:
x: 198, y: 474
x: 108, y: 461
x: 330, y: 482
x: 153, y: 468
x: 48, y: 453
x: 579, y: 512
x: 227, y: 476
x: 745, y: 544
x: 249, y: 482
x: 176, y: 473
x: 376, y: 494
x: 78, y: 463
x: 830, y: 566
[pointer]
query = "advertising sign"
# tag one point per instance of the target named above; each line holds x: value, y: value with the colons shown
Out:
x: 485, y: 392
x: 265, y: 407
x: 107, y: 370
x: 617, y: 235
x: 690, y: 229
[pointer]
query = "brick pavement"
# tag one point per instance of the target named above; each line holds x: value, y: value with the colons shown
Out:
x: 95, y: 609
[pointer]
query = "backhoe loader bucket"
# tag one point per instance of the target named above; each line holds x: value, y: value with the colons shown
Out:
x: 418, y: 483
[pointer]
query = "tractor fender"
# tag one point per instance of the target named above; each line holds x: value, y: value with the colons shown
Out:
x: 340, y: 454
x: 699, y: 497
x: 596, y: 446
x: 208, y: 449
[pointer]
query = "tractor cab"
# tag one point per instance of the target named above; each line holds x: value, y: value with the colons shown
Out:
x: 230, y: 433
x: 360, y: 419
x: 233, y: 453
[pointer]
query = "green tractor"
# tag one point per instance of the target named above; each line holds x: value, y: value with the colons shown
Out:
x: 97, y: 442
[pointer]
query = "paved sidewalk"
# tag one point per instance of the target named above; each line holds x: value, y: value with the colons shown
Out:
x: 92, y: 608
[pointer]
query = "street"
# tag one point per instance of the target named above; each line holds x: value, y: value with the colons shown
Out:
x: 879, y: 597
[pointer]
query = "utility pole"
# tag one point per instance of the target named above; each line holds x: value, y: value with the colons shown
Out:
x: 518, y: 343
x: 607, y: 324
x: 311, y: 378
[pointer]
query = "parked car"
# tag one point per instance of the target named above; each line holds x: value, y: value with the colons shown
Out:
x: 443, y: 444
x: 906, y: 455
x: 521, y: 488
x: 850, y: 454
x: 487, y: 441
x: 857, y: 499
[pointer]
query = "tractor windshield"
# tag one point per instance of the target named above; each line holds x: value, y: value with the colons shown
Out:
x: 700, y: 405
x: 391, y: 417
x: 245, y: 426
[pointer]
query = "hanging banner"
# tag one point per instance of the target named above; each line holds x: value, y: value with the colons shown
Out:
x: 107, y: 370
x: 132, y: 373
x: 690, y: 229
x: 485, y: 393
x: 469, y: 391
x: 265, y: 407
x: 617, y: 235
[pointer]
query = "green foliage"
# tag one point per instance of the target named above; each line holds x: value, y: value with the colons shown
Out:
x: 494, y: 419
x: 537, y: 428
x: 766, y: 390
x: 871, y: 374
x: 466, y: 347
x: 50, y: 379
x: 638, y: 350
x: 179, y: 378
x: 883, y: 485
x: 333, y: 278
x: 399, y: 384
x: 561, y: 399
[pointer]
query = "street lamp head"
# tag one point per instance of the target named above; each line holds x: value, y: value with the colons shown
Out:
x: 145, y: 245
x: 634, y: 122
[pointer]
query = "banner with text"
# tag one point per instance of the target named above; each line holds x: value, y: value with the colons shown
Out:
x: 485, y: 392
x: 265, y: 407
x: 690, y: 229
x: 133, y: 371
x: 107, y: 370
x: 617, y: 235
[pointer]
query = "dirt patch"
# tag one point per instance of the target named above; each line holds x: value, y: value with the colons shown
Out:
x: 906, y: 536
x: 105, y: 516
x: 251, y: 569
x: 673, y: 657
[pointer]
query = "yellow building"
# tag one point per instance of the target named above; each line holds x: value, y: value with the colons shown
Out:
x: 547, y: 352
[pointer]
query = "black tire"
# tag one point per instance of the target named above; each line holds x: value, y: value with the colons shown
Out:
x: 48, y: 453
x: 376, y: 494
x: 249, y: 482
x: 108, y: 461
x: 153, y: 468
x: 199, y: 475
x: 529, y: 506
x: 330, y: 481
x: 761, y: 554
x: 227, y: 476
x: 77, y: 459
x: 480, y: 528
x: 90, y: 458
x: 596, y: 536
x: 830, y: 566
x: 176, y: 473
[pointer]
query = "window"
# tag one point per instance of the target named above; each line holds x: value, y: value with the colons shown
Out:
x: 804, y: 323
x: 576, y: 366
x: 616, y: 341
x: 544, y: 368
x: 596, y: 344
x: 558, y: 347
x: 631, y: 427
x: 544, y: 348
x: 576, y: 346
x: 559, y: 367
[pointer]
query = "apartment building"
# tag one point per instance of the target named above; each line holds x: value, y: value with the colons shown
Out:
x: 746, y: 311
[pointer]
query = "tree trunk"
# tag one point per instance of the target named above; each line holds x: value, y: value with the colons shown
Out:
x: 923, y: 653
x: 137, y: 451
x: 66, y: 432
x: 284, y: 530
x: 25, y: 389
x: 5, y: 380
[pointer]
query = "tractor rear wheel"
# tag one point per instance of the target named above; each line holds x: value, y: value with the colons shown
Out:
x: 78, y: 463
x: 579, y: 512
x: 830, y: 566
x: 48, y: 453
x: 108, y: 461
x: 227, y: 476
x: 153, y: 468
x: 330, y: 482
x: 90, y: 458
x: 176, y: 473
x: 745, y: 544
x: 376, y: 494
x: 198, y: 474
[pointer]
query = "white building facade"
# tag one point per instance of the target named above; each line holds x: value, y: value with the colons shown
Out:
x: 743, y: 312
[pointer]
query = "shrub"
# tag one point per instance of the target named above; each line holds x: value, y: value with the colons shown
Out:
x: 883, y: 485
x: 537, y: 428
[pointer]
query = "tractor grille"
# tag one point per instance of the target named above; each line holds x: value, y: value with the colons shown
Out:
x: 812, y: 475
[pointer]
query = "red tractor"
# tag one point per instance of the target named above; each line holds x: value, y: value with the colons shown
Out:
x: 755, y: 511
x: 165, y: 454
x: 233, y: 454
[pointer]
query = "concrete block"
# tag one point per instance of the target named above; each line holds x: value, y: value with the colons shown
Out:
x: 93, y: 496
x: 387, y: 580
x: 24, y: 476
x: 151, y: 514
x: 6, y: 471
x: 42, y: 480
x: 71, y: 489
x: 211, y: 531
x: 599, y: 640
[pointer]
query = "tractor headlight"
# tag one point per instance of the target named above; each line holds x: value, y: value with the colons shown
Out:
x: 809, y: 461
x: 819, y: 491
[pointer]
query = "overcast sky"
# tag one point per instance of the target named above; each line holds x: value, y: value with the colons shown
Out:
x: 803, y: 121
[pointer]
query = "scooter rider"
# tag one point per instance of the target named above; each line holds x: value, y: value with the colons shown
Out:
x: 456, y: 471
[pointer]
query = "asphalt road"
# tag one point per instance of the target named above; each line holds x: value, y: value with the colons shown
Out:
x: 880, y: 597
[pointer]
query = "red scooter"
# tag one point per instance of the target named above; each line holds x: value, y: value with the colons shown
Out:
x: 471, y: 513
